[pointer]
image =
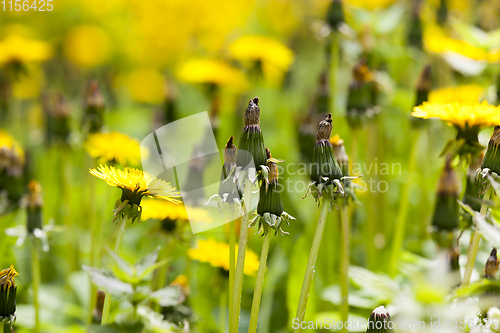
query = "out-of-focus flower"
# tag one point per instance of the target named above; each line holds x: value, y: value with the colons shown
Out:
x: 370, y: 4
x: 8, y: 292
x: 18, y: 50
x: 274, y: 57
x: 135, y: 184
x: 28, y: 86
x: 93, y: 117
x: 446, y: 211
x: 144, y: 85
x: 11, y: 155
x: 217, y: 255
x: 182, y: 282
x: 87, y: 46
x: 464, y: 116
x: 161, y: 210
x: 212, y: 72
x: 467, y: 94
x: 113, y: 147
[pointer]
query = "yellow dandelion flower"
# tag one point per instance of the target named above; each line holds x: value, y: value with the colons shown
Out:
x: 87, y: 46
x: 161, y: 210
x: 464, y: 116
x: 336, y: 140
x: 135, y: 184
x: 11, y: 155
x: 213, y: 72
x: 217, y: 255
x: 144, y: 86
x: 16, y: 49
x: 467, y: 94
x: 113, y: 147
x: 182, y: 282
x: 270, y: 52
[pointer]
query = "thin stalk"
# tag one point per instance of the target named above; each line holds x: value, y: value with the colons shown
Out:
x: 240, y: 264
x: 334, y: 64
x: 222, y: 311
x: 399, y: 229
x: 232, y: 262
x: 161, y: 273
x: 475, y: 243
x: 107, y: 298
x: 306, y: 285
x: 2, y: 326
x: 259, y: 283
x: 344, y: 266
x: 35, y: 271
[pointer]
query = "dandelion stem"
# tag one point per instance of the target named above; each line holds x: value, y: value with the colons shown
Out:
x: 306, y: 285
x: 222, y: 311
x: 2, y: 326
x: 232, y: 263
x: 344, y: 265
x: 257, y: 294
x: 334, y: 64
x: 240, y: 263
x: 475, y: 243
x: 107, y: 298
x: 35, y: 271
x: 399, y: 229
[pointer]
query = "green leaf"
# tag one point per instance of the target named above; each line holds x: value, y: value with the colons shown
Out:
x: 120, y: 263
x: 168, y: 296
x: 108, y: 282
x: 476, y: 288
x: 147, y: 261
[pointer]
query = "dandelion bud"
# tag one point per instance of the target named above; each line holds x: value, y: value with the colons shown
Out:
x: 325, y: 167
x: 492, y: 157
x: 424, y: 85
x: 99, y: 305
x: 491, y: 267
x: 472, y: 189
x: 362, y: 98
x: 251, y: 139
x: 93, y: 119
x: 227, y: 187
x: 379, y: 321
x: 335, y: 14
x: 446, y: 210
x: 35, y: 204
x: 8, y: 291
x: 169, y: 104
x: 490, y: 297
x: 415, y: 29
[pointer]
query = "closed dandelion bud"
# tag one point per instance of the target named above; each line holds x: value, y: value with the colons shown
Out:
x: 446, y: 211
x: 8, y: 292
x: 492, y: 157
x: 415, y: 29
x: 99, y: 305
x: 340, y: 154
x: 35, y: 204
x: 169, y: 104
x: 362, y: 98
x: 227, y: 186
x: 324, y: 167
x: 335, y: 14
x: 472, y: 189
x: 424, y: 84
x: 251, y: 139
x: 61, y: 115
x: 93, y: 118
x: 491, y: 297
x: 380, y: 321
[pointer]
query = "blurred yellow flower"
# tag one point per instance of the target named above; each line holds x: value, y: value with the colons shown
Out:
x: 87, y: 46
x: 28, y: 86
x: 270, y: 52
x: 12, y: 146
x: 212, y: 71
x: 144, y: 85
x: 160, y: 210
x: 138, y: 182
x: 217, y: 255
x: 464, y: 116
x: 467, y: 94
x: 182, y: 282
x: 370, y: 4
x: 113, y: 147
x: 16, y: 49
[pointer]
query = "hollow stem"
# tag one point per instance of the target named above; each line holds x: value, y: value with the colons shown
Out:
x: 240, y: 263
x: 475, y: 243
x: 107, y: 298
x: 222, y: 311
x: 232, y: 263
x: 401, y: 219
x: 35, y: 270
x: 334, y: 64
x: 259, y: 282
x: 306, y: 285
x: 344, y: 266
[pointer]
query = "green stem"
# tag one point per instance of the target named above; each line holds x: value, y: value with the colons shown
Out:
x: 399, y: 229
x: 306, y: 285
x: 344, y: 266
x: 240, y: 264
x: 222, y: 311
x: 232, y: 263
x: 161, y: 272
x: 259, y: 282
x: 35, y: 270
x: 107, y: 298
x: 475, y: 243
x: 2, y: 326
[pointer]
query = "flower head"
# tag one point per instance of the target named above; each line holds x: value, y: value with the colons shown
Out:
x: 466, y: 94
x: 8, y: 291
x: 492, y: 157
x: 378, y: 321
x: 251, y: 140
x: 135, y: 184
x: 217, y: 255
x: 11, y: 155
x: 446, y: 211
x: 113, y: 147
x: 18, y: 50
x: 492, y: 263
x: 94, y: 108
